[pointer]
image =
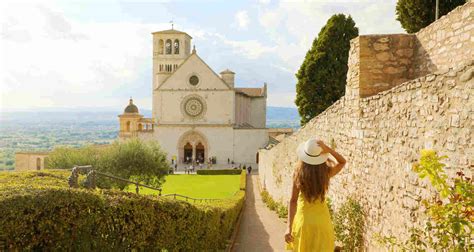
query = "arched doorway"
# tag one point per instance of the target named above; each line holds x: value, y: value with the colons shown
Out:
x: 188, y: 153
x: 192, y: 147
x: 38, y: 164
x: 200, y: 153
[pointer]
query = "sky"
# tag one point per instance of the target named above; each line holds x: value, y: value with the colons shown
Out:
x: 98, y: 53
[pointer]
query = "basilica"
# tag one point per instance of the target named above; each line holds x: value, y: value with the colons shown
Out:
x: 197, y: 114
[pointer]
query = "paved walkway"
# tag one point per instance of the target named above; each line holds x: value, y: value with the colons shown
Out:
x: 260, y: 228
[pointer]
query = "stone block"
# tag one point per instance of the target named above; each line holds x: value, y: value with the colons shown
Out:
x: 383, y: 56
x: 380, y: 46
x: 394, y: 70
x: 405, y: 52
x: 467, y: 75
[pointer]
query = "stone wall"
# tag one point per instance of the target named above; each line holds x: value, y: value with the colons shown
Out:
x: 25, y: 161
x: 381, y: 134
x: 447, y: 42
x: 385, y: 62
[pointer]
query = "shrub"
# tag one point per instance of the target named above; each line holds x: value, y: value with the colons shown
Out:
x: 349, y: 225
x: 243, y: 180
x: 142, y: 161
x: 219, y: 172
x: 38, y: 217
x: 450, y: 212
x: 279, y: 208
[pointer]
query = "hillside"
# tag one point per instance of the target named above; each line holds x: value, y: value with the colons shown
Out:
x: 44, y: 129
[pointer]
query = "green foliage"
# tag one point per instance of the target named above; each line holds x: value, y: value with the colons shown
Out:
x: 349, y: 225
x: 133, y: 159
x: 11, y: 182
x: 219, y: 172
x: 243, y: 180
x: 417, y: 14
x: 450, y: 213
x: 66, y: 157
x: 322, y: 76
x: 280, y: 209
x: 43, y: 214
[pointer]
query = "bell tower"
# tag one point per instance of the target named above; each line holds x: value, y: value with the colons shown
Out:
x: 170, y: 49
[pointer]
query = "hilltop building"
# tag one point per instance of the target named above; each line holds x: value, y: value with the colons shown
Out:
x: 196, y: 113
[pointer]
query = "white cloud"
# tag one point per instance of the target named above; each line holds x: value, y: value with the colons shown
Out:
x: 49, y: 60
x: 242, y: 19
x: 293, y: 25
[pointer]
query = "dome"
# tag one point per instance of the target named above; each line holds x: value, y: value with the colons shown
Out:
x: 131, y: 108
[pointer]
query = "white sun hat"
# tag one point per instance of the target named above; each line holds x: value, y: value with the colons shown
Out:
x: 310, y: 152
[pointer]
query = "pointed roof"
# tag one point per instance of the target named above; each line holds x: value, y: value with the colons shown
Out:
x: 227, y: 71
x: 171, y: 31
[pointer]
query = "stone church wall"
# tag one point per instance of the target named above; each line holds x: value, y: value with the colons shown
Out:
x: 381, y: 132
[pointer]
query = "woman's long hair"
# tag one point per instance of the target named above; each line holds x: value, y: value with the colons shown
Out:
x: 312, y: 180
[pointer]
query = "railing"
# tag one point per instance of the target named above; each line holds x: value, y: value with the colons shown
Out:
x: 91, y: 174
x: 186, y: 198
x: 73, y: 180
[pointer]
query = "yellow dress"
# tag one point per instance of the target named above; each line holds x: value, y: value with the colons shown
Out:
x: 312, y: 227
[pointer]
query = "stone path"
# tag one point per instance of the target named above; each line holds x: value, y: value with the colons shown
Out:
x: 260, y: 229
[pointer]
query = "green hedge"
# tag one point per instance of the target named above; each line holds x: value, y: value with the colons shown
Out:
x: 243, y: 180
x: 219, y: 172
x: 59, y: 218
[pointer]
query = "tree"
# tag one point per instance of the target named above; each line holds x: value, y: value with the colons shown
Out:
x: 322, y: 76
x: 417, y: 14
x: 141, y: 161
x: 132, y: 159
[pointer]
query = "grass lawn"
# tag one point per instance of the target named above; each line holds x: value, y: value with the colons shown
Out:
x: 198, y: 186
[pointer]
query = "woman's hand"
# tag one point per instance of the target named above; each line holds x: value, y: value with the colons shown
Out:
x: 323, y: 146
x: 288, y: 236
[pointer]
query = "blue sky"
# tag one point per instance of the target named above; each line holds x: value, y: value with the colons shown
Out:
x: 81, y: 54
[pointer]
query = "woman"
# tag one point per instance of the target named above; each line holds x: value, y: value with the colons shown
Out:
x: 309, y: 223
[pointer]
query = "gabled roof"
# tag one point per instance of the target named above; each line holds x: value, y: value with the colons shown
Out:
x: 185, y: 61
x: 252, y: 92
x: 171, y: 31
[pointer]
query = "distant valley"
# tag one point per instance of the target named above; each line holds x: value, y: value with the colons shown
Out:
x: 44, y: 129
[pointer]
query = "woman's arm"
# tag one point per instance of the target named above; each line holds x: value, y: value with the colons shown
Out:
x: 291, y: 212
x: 341, y: 161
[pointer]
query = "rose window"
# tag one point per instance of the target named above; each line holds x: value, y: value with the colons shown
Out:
x: 193, y: 107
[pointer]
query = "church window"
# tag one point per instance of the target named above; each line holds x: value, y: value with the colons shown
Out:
x: 193, y: 80
x: 161, y: 45
x: 168, y: 46
x: 193, y: 107
x: 176, y: 46
x: 127, y: 126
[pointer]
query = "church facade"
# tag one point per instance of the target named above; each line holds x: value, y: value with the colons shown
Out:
x: 197, y: 114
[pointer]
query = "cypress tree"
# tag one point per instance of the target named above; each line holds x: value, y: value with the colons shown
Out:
x: 322, y: 76
x: 417, y: 14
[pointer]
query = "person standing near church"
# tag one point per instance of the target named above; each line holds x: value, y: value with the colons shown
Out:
x: 249, y: 169
x: 309, y: 222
